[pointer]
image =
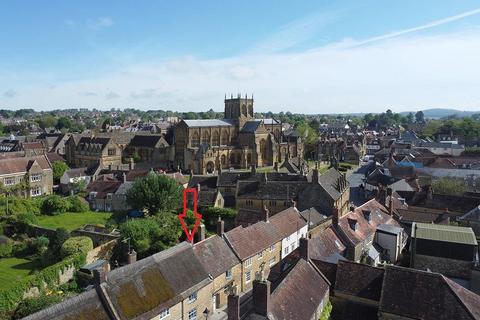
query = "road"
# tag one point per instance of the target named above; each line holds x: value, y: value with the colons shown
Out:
x: 356, y: 179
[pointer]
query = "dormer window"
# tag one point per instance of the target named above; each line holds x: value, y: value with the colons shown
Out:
x: 353, y: 224
x: 367, y: 215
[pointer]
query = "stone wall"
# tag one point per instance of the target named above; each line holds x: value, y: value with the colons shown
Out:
x: 103, y: 251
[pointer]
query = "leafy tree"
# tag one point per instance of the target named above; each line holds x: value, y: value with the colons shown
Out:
x: 59, y: 168
x: 449, y: 186
x: 79, y: 187
x: 152, y: 234
x: 31, y: 305
x: 420, y: 117
x: 155, y: 193
x: 41, y: 244
x: 55, y: 204
x: 61, y: 235
x: 47, y: 121
x: 410, y: 117
x: 77, y: 204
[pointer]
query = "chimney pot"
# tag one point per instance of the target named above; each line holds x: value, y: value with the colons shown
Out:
x: 220, y: 227
x: 132, y: 257
x: 265, y: 213
x: 201, y: 232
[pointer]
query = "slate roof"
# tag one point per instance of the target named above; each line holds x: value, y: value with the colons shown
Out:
x: 32, y: 145
x: 53, y: 156
x: 76, y: 172
x: 359, y: 280
x: 330, y: 181
x: 325, y: 246
x: 299, y: 293
x: 93, y: 141
x: 208, y: 123
x: 273, y: 190
x: 246, y: 217
x: 251, y: 126
x: 102, y: 188
x: 378, y: 215
x: 472, y: 215
x: 312, y: 217
x: 152, y: 284
x: 207, y: 198
x: 22, y: 164
x: 85, y: 306
x: 215, y: 255
x: 419, y: 294
x: 206, y: 182
x: 230, y: 178
x: 146, y: 141
x: 421, y: 214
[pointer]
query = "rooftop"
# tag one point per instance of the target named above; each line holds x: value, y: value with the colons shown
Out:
x: 445, y: 233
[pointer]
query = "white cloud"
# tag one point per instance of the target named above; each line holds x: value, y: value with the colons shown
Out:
x: 99, y: 23
x: 10, y: 93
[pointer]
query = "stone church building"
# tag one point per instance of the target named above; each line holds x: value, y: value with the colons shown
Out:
x: 237, y: 141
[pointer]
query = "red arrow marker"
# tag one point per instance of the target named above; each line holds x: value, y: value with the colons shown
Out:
x: 181, y: 216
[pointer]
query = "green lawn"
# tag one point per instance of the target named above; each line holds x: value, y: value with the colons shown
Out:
x: 13, y: 270
x: 73, y: 220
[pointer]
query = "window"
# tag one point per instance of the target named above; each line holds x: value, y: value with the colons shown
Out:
x: 288, y: 238
x: 272, y: 261
x: 248, y: 262
x: 92, y: 195
x: 36, y: 191
x: 228, y: 274
x: 285, y: 251
x: 192, y: 297
x: 273, y: 203
x: 164, y: 314
x: 112, y: 152
x: 109, y: 196
x: 8, y: 181
x: 260, y: 255
x: 247, y: 276
x: 249, y: 203
x: 36, y: 177
x: 272, y: 247
x: 292, y: 247
x: 192, y: 314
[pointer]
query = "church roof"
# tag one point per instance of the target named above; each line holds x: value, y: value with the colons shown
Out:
x: 208, y: 123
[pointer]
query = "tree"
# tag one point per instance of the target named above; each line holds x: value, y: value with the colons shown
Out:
x: 449, y: 186
x: 152, y: 234
x: 79, y: 186
x: 410, y: 117
x: 31, y: 305
x: 59, y: 168
x: 155, y: 193
x: 420, y: 117
x: 55, y: 204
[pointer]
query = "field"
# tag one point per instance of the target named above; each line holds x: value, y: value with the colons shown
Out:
x: 13, y: 270
x: 73, y: 220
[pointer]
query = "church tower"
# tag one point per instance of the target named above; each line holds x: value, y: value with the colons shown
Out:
x: 239, y: 109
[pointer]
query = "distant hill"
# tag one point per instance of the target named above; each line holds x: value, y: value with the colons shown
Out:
x: 436, y: 113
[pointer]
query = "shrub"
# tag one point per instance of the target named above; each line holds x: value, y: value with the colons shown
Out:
x: 41, y: 244
x: 449, y: 186
x: 17, y: 205
x: 54, y: 204
x: 31, y: 305
x: 6, y: 247
x: 75, y: 245
x: 77, y: 204
x: 27, y: 218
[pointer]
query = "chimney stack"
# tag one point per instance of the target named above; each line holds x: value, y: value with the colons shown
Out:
x: 198, y: 189
x: 201, y: 232
x: 99, y: 276
x: 132, y: 257
x: 191, y: 174
x: 315, y: 173
x: 304, y: 254
x: 233, y: 306
x: 265, y: 213
x: 335, y: 216
x: 124, y: 177
x: 220, y: 227
x: 131, y: 165
x: 261, y: 297
x: 390, y: 201
x: 294, y: 203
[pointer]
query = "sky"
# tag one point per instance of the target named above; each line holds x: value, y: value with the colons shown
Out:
x: 298, y: 56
